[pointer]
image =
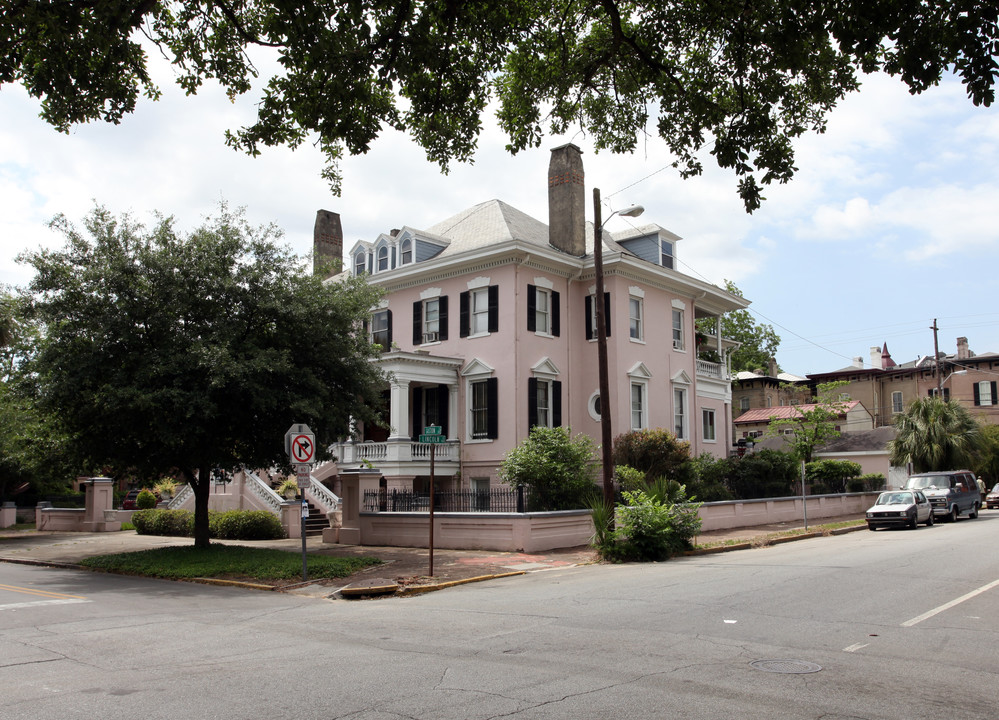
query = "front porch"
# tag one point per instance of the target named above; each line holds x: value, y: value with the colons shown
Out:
x: 422, y: 391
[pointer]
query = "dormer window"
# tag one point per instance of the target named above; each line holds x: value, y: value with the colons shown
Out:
x: 383, y: 258
x: 360, y: 260
x: 666, y: 253
x: 406, y: 252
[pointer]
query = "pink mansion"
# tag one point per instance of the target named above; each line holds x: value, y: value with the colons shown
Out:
x: 488, y: 328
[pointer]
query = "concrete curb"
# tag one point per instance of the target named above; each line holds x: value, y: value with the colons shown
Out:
x: 420, y: 589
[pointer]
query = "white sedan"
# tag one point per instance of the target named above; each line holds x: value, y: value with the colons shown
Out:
x: 900, y: 508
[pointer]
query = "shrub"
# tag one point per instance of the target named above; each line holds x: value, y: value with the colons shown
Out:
x: 146, y: 500
x: 245, y: 525
x: 656, y: 452
x: 650, y: 528
x: 871, y: 482
x: 176, y: 523
x: 761, y: 474
x: 831, y: 475
x: 556, y: 469
x: 708, y: 475
x: 629, y: 478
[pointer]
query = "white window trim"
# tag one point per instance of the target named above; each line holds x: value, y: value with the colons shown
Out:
x: 714, y: 425
x: 547, y: 292
x: 424, y: 330
x: 475, y: 371
x: 473, y: 293
x: 641, y: 318
x: 591, y: 405
x: 643, y: 386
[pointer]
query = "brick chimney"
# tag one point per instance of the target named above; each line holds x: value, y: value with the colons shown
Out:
x: 567, y: 201
x: 962, y: 349
x: 327, y: 242
x: 772, y: 367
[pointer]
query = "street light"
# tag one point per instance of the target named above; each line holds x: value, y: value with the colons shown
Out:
x: 605, y: 406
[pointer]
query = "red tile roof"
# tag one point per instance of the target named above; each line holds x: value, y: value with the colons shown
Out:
x: 784, y: 412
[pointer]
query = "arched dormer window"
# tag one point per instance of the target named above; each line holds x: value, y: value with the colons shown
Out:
x: 360, y: 258
x: 406, y: 252
x: 383, y: 256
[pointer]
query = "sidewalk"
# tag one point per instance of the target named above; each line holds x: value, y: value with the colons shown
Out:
x: 405, y: 570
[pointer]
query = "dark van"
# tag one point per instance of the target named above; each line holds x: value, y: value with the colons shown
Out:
x: 950, y: 492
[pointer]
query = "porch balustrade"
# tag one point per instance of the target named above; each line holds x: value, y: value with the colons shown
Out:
x: 394, y: 451
x: 711, y: 370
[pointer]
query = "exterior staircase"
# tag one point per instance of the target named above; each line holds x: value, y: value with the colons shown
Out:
x: 316, y: 522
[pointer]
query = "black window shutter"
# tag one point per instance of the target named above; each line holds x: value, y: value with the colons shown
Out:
x: 442, y: 314
x: 492, y: 411
x: 417, y: 412
x: 589, y: 317
x: 418, y: 322
x: 532, y: 402
x: 556, y: 315
x: 493, y: 308
x: 607, y: 323
x: 464, y: 316
x: 443, y: 397
x: 978, y: 396
x: 556, y: 403
x: 532, y: 306
x: 994, y: 400
x: 388, y: 315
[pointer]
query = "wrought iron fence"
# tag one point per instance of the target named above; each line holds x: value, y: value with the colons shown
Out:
x: 492, y: 500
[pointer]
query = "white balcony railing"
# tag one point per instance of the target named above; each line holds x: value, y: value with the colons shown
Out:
x: 394, y: 451
x: 711, y: 370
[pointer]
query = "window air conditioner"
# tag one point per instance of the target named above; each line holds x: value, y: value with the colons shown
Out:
x: 677, y: 345
x: 430, y: 337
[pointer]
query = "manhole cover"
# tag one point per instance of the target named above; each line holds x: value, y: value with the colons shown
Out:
x: 786, y: 666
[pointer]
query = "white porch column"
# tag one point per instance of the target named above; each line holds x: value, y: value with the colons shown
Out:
x: 399, y: 410
x: 452, y: 412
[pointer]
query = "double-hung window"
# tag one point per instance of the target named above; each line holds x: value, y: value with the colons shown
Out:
x: 677, y: 329
x: 708, y: 422
x: 381, y: 329
x: 591, y: 316
x: 482, y: 408
x: 985, y: 392
x: 479, y: 311
x: 430, y: 320
x: 680, y: 413
x: 544, y: 402
x: 635, y: 318
x: 896, y: 402
x: 406, y: 252
x: 637, y: 406
x: 543, y: 311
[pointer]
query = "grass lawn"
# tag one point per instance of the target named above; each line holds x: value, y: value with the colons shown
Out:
x: 229, y: 562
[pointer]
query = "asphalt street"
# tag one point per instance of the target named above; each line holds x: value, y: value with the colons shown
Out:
x: 893, y: 624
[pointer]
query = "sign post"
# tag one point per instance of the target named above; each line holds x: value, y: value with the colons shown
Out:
x: 432, y: 436
x: 300, y: 444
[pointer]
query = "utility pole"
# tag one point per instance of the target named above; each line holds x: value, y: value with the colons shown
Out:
x: 936, y: 360
x: 605, y: 404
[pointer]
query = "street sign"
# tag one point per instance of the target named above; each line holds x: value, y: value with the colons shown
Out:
x: 300, y: 444
x: 303, y: 476
x: 433, y: 439
x: 432, y: 430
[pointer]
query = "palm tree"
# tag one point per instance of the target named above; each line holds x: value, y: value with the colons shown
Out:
x: 934, y: 434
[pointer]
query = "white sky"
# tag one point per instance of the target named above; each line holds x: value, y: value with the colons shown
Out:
x: 889, y: 223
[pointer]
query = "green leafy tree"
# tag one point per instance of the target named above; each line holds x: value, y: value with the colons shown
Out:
x: 831, y: 476
x: 172, y: 353
x: 758, y: 342
x: 762, y: 473
x: 654, y: 451
x: 987, y: 462
x: 743, y: 80
x: 811, y: 426
x: 934, y: 434
x: 556, y: 468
